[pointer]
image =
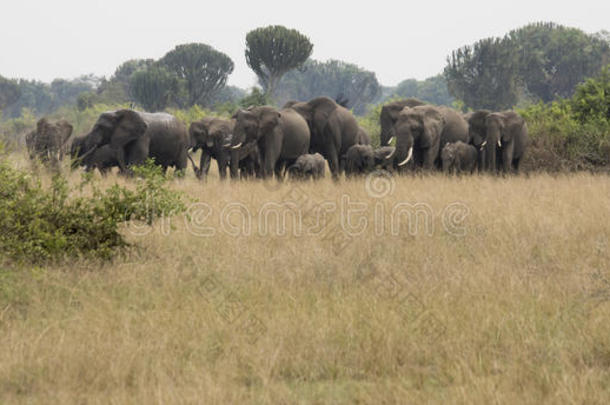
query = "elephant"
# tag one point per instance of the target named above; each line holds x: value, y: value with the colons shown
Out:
x: 458, y: 157
x: 103, y: 159
x: 381, y: 157
x: 363, y: 137
x: 333, y: 128
x: 280, y: 136
x: 134, y: 136
x: 48, y: 141
x: 501, y: 137
x: 213, y: 137
x: 422, y: 131
x: 359, y: 160
x: 389, y: 116
x: 309, y: 166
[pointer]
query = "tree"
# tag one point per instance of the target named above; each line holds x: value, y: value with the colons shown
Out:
x: 335, y: 79
x: 432, y: 90
x: 554, y: 59
x: 273, y: 51
x: 9, y: 92
x: 203, y: 69
x: 484, y: 75
x: 154, y: 88
x: 592, y: 98
x: 116, y: 89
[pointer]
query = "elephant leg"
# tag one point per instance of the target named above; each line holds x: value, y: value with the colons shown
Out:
x: 204, y: 164
x: 507, y: 158
x: 333, y: 164
x: 222, y: 167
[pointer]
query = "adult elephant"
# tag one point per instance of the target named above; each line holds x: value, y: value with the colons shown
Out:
x: 134, y: 136
x: 333, y: 128
x: 213, y: 137
x: 501, y: 138
x: 422, y: 131
x: 389, y: 116
x: 363, y: 137
x: 280, y: 137
x: 48, y: 141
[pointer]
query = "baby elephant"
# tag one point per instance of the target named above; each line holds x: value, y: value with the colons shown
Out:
x: 383, y: 157
x: 359, y: 160
x: 307, y: 167
x: 459, y: 157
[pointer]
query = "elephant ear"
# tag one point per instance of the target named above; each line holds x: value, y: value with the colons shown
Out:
x: 131, y: 122
x: 433, y: 123
x: 322, y: 108
x: 65, y: 129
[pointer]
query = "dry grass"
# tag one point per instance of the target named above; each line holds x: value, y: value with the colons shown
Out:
x: 515, y: 310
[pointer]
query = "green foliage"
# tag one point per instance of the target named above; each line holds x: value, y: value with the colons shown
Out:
x: 154, y: 88
x: 370, y: 122
x: 335, y: 79
x: 485, y: 75
x: 554, y: 59
x: 273, y: 51
x: 541, y: 61
x: 44, y: 98
x: 592, y: 98
x: 43, y: 224
x: 432, y: 90
x: 12, y: 131
x: 572, y: 133
x: 203, y: 69
x: 9, y: 92
x: 255, y: 98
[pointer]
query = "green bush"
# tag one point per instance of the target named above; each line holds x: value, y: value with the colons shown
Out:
x: 572, y: 134
x: 41, y: 224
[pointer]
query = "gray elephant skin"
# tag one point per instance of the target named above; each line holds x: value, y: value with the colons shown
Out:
x: 359, y: 160
x: 213, y: 137
x: 279, y: 136
x: 48, y: 141
x: 333, y: 128
x: 459, y: 157
x: 309, y: 166
x: 381, y: 156
x: 389, y: 116
x: 421, y: 132
x: 501, y: 137
x: 134, y: 136
x: 363, y: 137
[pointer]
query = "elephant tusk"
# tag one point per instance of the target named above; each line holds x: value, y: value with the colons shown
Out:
x: 389, y: 140
x: 499, y: 142
x: 237, y: 146
x: 483, y: 144
x: 409, y: 156
x: 227, y: 145
x: 391, y: 154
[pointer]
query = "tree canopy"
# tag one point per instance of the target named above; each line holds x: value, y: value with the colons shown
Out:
x: 9, y: 92
x: 335, y: 79
x: 273, y: 51
x: 154, y: 88
x: 541, y: 61
x: 432, y: 90
x: 203, y: 69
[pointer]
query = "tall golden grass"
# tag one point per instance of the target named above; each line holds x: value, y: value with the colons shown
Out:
x: 503, y: 298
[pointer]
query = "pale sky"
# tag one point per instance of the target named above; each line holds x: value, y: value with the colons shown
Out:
x: 396, y: 39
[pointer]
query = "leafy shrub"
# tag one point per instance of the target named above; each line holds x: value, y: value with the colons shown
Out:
x: 43, y: 224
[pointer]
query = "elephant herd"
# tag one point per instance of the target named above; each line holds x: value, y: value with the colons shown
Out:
x: 298, y: 140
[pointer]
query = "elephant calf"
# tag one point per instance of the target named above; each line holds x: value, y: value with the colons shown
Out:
x: 383, y: 156
x: 308, y: 166
x: 459, y: 157
x: 359, y: 160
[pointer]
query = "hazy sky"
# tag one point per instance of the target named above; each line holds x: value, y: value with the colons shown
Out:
x: 395, y: 39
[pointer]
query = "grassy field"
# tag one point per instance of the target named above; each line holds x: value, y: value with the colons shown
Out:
x: 389, y: 290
